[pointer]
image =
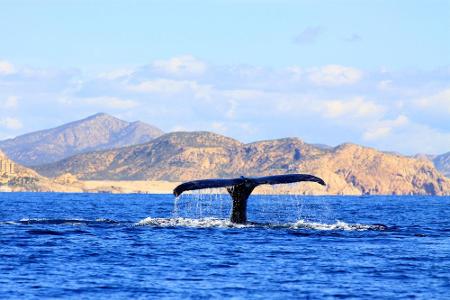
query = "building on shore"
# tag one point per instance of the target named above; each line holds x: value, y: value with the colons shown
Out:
x: 7, y: 167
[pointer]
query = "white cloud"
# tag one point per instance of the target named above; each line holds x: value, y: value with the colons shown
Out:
x: 359, y: 107
x: 181, y: 65
x: 385, y: 85
x: 439, y: 102
x: 171, y: 87
x: 296, y: 72
x: 161, y: 86
x: 334, y: 75
x: 11, y: 102
x: 64, y: 100
x: 421, y: 138
x: 219, y: 127
x: 336, y: 109
x: 116, y: 74
x: 247, y: 128
x: 6, y: 68
x: 377, y: 133
x: 244, y: 94
x: 353, y: 108
x: 384, y: 128
x: 111, y: 102
x: 11, y: 123
x: 409, y: 137
x: 179, y: 128
x: 231, y: 112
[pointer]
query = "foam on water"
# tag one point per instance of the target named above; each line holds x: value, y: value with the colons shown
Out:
x: 187, y: 222
x: 208, y: 222
x: 339, y: 225
x: 220, y: 223
x: 75, y: 221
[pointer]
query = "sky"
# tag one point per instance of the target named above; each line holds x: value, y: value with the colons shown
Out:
x: 375, y: 73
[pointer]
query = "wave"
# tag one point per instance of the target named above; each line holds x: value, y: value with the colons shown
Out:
x: 208, y: 222
x: 44, y: 221
x: 339, y: 225
x: 220, y: 223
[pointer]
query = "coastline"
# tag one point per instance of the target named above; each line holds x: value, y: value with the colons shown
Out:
x: 166, y: 187
x: 98, y: 186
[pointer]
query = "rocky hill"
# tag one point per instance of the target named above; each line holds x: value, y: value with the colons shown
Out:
x: 100, y: 131
x: 20, y: 178
x: 17, y: 178
x: 18, y: 170
x: 442, y: 163
x: 347, y: 169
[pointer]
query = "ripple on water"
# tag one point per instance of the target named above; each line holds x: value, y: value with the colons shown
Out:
x: 45, y: 221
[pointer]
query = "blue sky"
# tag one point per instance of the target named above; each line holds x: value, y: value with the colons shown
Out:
x: 370, y: 72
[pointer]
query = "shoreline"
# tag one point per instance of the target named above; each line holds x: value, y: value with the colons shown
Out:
x: 166, y: 188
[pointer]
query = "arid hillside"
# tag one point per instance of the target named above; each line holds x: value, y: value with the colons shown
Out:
x: 16, y: 177
x: 180, y: 156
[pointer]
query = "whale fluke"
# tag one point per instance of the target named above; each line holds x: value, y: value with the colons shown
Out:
x: 241, y: 188
x: 289, y: 178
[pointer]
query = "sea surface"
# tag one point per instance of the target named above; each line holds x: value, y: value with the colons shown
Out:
x: 102, y: 246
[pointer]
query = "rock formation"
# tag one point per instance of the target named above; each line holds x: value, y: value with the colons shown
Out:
x: 181, y: 156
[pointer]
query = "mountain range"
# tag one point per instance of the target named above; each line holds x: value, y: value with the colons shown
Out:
x: 102, y: 147
x: 100, y: 131
x: 181, y: 156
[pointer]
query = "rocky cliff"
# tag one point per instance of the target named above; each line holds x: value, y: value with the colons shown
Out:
x: 21, y: 178
x: 100, y: 131
x: 347, y: 169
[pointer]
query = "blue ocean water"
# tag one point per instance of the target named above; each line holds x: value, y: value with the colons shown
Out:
x: 102, y: 246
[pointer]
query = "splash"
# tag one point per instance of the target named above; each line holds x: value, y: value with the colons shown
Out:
x: 207, y: 222
x: 187, y: 222
x: 221, y: 223
x: 339, y: 225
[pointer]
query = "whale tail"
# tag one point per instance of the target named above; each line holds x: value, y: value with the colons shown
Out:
x: 241, y: 188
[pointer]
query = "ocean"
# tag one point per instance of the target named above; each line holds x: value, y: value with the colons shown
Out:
x: 104, y: 246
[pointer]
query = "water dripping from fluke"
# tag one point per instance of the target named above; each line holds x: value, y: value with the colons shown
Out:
x: 241, y: 188
x: 203, y: 204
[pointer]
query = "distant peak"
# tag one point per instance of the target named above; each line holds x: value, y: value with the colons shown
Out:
x: 99, y: 115
x: 205, y: 137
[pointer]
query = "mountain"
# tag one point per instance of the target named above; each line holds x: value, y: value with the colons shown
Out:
x: 180, y: 156
x: 442, y: 163
x: 97, y: 132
